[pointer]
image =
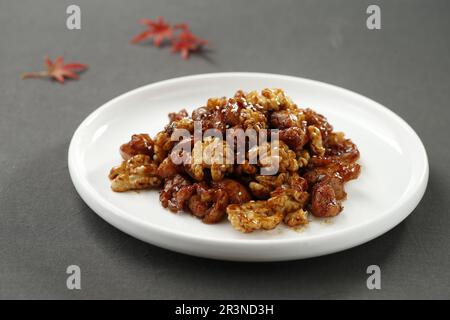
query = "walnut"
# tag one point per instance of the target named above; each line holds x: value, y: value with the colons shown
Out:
x: 296, y: 218
x: 323, y: 201
x: 315, y: 138
x: 138, y: 172
x: 253, y: 215
x: 179, y: 120
x: 346, y: 171
x: 218, y: 209
x: 268, y: 157
x: 199, y: 114
x: 270, y: 99
x: 216, y: 103
x: 198, y: 207
x: 303, y: 158
x: 176, y: 116
x: 288, y: 158
x: 218, y: 171
x: 213, y: 154
x: 176, y: 192
x: 245, y: 168
x: 195, y: 171
x: 252, y: 119
x: 340, y: 149
x: 315, y: 119
x: 264, y: 185
x: 336, y: 139
x: 237, y: 193
x: 209, y: 203
x: 290, y: 198
x: 286, y: 200
x: 294, y: 137
x: 284, y: 119
x: 163, y: 144
x: 167, y: 168
x: 212, y: 117
x: 139, y: 144
x: 184, y: 123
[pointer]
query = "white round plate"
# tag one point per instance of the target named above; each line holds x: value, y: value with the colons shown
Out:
x: 393, y: 178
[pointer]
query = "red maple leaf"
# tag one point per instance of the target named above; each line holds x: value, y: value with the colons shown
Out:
x: 57, y: 70
x: 186, y: 42
x: 159, y: 30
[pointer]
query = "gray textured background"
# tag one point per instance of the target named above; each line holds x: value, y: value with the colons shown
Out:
x: 45, y: 226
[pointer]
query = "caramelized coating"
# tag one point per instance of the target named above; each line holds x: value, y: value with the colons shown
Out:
x: 285, y: 119
x: 296, y: 218
x: 315, y: 119
x: 252, y: 119
x: 177, y: 116
x: 264, y: 185
x: 198, y: 207
x: 286, y: 158
x: 270, y: 100
x: 212, y: 115
x: 295, y: 138
x: 346, y: 171
x: 218, y: 208
x: 163, y: 144
x: 184, y: 123
x: 290, y: 197
x: 324, y: 202
x: 139, y: 144
x: 176, y: 192
x: 314, y: 162
x: 253, y: 215
x: 315, y: 136
x: 245, y: 168
x: 303, y: 158
x: 210, y: 154
x: 237, y: 193
x: 138, y: 172
x: 210, y: 203
x: 286, y: 200
x: 167, y: 169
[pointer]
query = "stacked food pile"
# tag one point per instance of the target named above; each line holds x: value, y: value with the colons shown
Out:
x: 313, y: 163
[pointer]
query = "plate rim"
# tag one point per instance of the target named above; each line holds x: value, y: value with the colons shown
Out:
x: 82, y: 186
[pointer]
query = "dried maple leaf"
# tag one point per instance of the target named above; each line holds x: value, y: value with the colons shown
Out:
x: 186, y: 42
x: 57, y: 70
x: 159, y: 30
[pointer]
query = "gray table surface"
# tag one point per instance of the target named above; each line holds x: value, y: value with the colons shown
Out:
x: 45, y: 226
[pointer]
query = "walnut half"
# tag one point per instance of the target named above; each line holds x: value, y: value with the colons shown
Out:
x: 252, y: 216
x: 138, y: 172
